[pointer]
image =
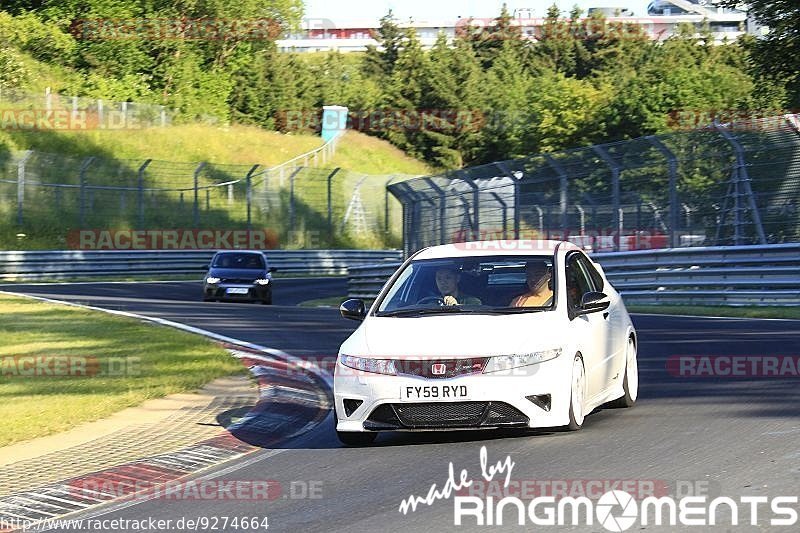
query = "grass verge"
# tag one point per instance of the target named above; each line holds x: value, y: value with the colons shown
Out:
x: 742, y: 312
x: 126, y: 362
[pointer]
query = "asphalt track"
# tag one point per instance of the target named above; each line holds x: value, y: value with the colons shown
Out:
x: 722, y: 437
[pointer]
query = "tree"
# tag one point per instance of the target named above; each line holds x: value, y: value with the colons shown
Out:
x: 776, y: 55
x: 488, y: 42
x: 380, y: 60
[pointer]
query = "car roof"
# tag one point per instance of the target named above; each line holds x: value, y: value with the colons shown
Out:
x: 497, y: 247
x: 240, y: 252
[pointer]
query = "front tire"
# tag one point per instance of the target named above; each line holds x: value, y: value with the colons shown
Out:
x: 577, y: 400
x: 630, y: 384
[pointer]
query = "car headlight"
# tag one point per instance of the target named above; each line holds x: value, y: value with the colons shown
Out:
x: 376, y: 366
x: 212, y: 281
x: 262, y: 282
x: 507, y: 362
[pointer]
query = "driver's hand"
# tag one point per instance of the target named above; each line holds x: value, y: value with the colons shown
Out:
x: 450, y: 300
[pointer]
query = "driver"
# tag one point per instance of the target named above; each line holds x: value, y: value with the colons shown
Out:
x: 447, y: 283
x: 538, y: 278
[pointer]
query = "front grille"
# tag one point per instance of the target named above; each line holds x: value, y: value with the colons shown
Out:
x: 238, y: 280
x: 444, y: 415
x: 453, y: 367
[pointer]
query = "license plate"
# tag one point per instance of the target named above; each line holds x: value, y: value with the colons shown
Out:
x: 237, y: 290
x: 434, y: 392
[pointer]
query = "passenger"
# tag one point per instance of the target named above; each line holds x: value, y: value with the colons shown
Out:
x: 538, y: 277
x: 447, y: 279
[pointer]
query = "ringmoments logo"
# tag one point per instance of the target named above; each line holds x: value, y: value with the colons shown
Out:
x: 615, y: 510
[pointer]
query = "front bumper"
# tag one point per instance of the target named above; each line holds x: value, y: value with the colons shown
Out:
x: 220, y: 291
x: 493, y: 400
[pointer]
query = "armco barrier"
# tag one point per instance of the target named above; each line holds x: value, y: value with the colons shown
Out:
x: 726, y: 275
x: 57, y: 265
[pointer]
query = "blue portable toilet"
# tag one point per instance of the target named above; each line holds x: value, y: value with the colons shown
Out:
x: 334, y: 121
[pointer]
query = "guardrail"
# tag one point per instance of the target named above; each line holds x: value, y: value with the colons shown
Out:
x: 725, y: 275
x: 60, y: 265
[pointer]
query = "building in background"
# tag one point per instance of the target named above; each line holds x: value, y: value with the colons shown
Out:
x: 662, y: 20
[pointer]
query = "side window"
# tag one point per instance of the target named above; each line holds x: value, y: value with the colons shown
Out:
x: 578, y: 283
x: 595, y: 276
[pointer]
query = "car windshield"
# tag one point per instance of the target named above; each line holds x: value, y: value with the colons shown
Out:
x: 482, y: 285
x: 239, y: 261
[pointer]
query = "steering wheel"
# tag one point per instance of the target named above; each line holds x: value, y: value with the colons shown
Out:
x: 431, y: 299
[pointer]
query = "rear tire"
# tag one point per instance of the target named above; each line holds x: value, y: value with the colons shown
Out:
x: 630, y: 384
x: 577, y: 397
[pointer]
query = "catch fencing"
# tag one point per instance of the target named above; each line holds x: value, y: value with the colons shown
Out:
x: 727, y: 184
x: 46, y: 197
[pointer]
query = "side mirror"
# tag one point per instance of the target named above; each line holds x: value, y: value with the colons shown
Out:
x: 592, y: 302
x: 272, y: 269
x: 354, y: 309
x: 205, y: 267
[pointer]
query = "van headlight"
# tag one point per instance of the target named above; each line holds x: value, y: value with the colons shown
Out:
x: 376, y: 366
x: 262, y: 282
x: 212, y: 281
x: 507, y: 362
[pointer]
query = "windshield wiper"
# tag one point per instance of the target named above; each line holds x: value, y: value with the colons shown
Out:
x: 517, y: 310
x: 425, y: 311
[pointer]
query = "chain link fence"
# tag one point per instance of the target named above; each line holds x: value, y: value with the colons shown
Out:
x: 731, y: 184
x: 45, y: 198
x: 57, y: 111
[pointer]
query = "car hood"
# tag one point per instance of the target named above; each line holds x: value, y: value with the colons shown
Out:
x: 439, y: 336
x: 241, y: 273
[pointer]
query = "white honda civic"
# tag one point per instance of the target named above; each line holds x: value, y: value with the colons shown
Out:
x: 484, y: 335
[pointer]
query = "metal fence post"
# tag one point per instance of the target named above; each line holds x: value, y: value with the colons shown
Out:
x: 291, y: 196
x: 563, y: 201
x: 515, y: 177
x: 386, y: 205
x: 615, y: 193
x: 442, y: 208
x: 330, y: 200
x: 21, y: 185
x: 672, y: 165
x: 476, y: 209
x: 196, y: 206
x: 140, y: 186
x: 249, y: 195
x: 741, y: 178
x: 82, y: 177
x: 504, y: 208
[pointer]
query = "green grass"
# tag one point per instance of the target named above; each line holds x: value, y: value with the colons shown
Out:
x: 359, y: 152
x: 744, y: 312
x: 161, y: 360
